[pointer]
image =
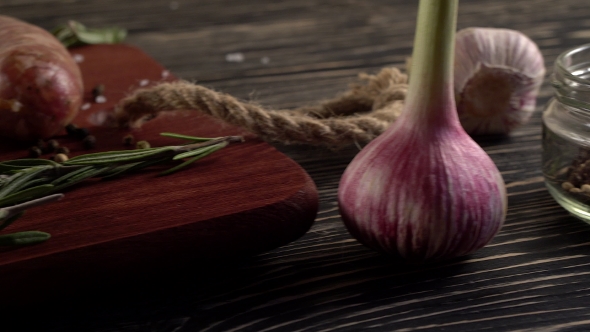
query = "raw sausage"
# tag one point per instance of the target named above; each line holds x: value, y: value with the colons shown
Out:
x: 41, y: 87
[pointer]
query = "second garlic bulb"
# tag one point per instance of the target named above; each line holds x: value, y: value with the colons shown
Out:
x: 498, y: 73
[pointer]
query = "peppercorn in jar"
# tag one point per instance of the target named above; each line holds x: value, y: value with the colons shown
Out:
x: 566, y: 133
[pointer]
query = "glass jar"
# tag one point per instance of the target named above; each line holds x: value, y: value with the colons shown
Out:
x: 566, y: 133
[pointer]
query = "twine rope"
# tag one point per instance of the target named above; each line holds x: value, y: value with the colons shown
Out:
x: 358, y: 115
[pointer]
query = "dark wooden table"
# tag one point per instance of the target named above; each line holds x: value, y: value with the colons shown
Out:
x: 534, y: 276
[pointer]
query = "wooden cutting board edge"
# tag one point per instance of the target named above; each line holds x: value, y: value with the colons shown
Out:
x: 42, y: 276
x: 66, y: 274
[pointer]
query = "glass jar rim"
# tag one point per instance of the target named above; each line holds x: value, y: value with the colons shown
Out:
x: 563, y: 69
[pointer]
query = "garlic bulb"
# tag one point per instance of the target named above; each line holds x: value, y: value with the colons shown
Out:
x: 498, y: 73
x: 424, y: 190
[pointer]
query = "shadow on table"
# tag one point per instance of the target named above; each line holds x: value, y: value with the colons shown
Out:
x: 200, y: 295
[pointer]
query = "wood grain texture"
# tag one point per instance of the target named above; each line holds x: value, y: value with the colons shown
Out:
x: 532, y: 277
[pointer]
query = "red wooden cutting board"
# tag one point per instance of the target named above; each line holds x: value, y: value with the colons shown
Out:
x: 243, y: 200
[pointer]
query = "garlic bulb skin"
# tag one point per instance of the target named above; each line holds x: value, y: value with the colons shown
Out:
x: 497, y: 75
x: 423, y: 195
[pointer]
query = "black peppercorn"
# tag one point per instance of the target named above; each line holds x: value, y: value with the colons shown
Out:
x: 51, y: 146
x: 82, y: 133
x: 71, y: 129
x: 128, y: 140
x: 98, y: 91
x: 76, y: 132
x: 40, y: 144
x: 89, y: 142
x: 35, y: 152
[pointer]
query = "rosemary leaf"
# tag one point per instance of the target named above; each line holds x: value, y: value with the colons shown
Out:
x: 101, y: 36
x: 5, y: 168
x: 75, y: 34
x: 208, y: 151
x: 20, y: 179
x: 26, y: 195
x: 114, y: 157
x: 119, y: 170
x: 186, y: 137
x: 16, y: 165
x: 31, y: 162
x: 23, y: 238
x: 36, y: 182
x: 34, y: 203
x: 8, y: 179
x: 180, y: 166
x: 115, y: 154
x: 63, y: 170
x: 63, y: 34
x: 81, y: 176
x: 202, y: 150
x: 67, y: 176
x: 8, y: 212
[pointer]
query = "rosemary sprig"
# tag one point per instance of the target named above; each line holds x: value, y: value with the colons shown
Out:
x: 26, y: 183
x: 9, y: 214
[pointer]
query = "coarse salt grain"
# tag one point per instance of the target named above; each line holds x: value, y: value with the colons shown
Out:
x: 144, y: 82
x: 165, y: 73
x: 85, y: 106
x: 100, y: 99
x: 16, y: 106
x: 234, y: 57
x: 99, y: 118
x: 78, y: 57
